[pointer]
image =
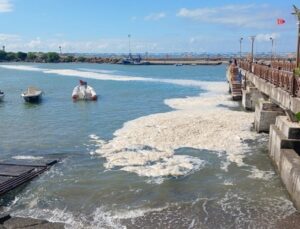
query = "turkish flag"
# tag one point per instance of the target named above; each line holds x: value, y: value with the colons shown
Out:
x: 280, y: 21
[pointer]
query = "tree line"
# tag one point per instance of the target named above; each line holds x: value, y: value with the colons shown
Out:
x: 41, y: 57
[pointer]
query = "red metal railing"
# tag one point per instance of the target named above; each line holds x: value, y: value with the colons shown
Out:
x: 278, y: 73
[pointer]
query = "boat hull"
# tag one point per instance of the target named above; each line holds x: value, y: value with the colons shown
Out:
x: 84, y: 93
x: 32, y: 99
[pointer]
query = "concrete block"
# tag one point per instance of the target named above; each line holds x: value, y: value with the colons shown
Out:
x: 290, y: 130
x: 275, y: 144
x: 278, y: 141
x: 290, y: 174
x: 265, y: 115
x: 246, y: 102
x: 295, y: 105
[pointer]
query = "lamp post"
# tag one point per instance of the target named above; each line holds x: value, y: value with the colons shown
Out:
x: 297, y: 14
x: 252, y: 46
x: 129, y: 45
x: 272, y: 48
x: 241, y: 39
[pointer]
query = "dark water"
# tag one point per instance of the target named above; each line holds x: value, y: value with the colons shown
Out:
x: 81, y: 192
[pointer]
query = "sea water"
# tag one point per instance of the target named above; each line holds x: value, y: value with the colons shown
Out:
x: 163, y: 147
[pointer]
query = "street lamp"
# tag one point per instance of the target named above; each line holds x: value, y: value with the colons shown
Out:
x: 129, y: 36
x: 241, y: 39
x: 297, y: 13
x: 252, y: 46
x: 272, y: 41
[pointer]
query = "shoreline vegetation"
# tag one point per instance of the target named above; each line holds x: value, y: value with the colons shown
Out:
x: 54, y: 57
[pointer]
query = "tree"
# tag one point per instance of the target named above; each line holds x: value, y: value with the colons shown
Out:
x: 11, y: 56
x: 21, y: 55
x: 70, y: 59
x: 81, y: 59
x: 2, y: 55
x: 31, y: 56
x: 52, y: 57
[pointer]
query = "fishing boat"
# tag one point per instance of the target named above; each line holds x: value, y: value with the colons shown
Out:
x: 84, y: 92
x: 32, y: 95
x: 1, y: 95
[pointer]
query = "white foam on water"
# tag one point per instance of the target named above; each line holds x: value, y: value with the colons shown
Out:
x: 21, y: 67
x: 98, y: 70
x: 198, y: 123
x: 228, y: 183
x: 27, y: 157
x: 260, y: 174
x: 266, y: 212
x: 99, y: 219
x: 146, y: 145
x: 135, y: 213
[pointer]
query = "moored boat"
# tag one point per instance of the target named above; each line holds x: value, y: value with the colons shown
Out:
x: 1, y: 95
x: 32, y: 95
x: 84, y: 92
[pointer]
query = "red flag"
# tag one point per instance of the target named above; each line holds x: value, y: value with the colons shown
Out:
x: 280, y: 21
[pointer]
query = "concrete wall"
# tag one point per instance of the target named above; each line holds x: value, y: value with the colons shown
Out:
x: 284, y: 149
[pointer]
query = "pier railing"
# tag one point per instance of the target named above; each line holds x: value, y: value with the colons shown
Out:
x: 278, y: 73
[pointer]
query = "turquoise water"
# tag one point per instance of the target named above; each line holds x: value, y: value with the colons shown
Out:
x: 83, y: 191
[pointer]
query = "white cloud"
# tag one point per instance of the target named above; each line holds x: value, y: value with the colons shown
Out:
x: 5, y: 6
x: 8, y: 38
x: 155, y: 16
x: 34, y: 44
x: 266, y: 37
x: 250, y: 15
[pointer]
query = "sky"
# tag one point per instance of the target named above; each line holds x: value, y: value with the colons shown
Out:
x: 156, y: 26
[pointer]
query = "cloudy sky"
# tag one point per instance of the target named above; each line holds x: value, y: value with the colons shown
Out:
x: 99, y: 26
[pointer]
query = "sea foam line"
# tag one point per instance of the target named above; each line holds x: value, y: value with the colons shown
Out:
x: 103, y: 75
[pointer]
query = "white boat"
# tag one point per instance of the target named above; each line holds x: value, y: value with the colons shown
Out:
x: 1, y: 95
x: 32, y: 95
x: 84, y: 92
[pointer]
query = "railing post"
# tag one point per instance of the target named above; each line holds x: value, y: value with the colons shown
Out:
x: 293, y: 85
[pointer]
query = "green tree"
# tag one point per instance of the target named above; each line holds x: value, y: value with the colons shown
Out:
x: 81, y: 59
x: 52, y: 57
x: 2, y: 55
x: 31, y: 56
x: 11, y: 56
x: 43, y: 57
x: 21, y: 55
x: 70, y: 59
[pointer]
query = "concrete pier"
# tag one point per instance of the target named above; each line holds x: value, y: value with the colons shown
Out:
x: 270, y: 97
x: 265, y: 115
x: 276, y: 94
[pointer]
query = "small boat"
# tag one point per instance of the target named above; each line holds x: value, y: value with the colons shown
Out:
x: 84, y: 92
x: 178, y: 64
x: 1, y: 95
x: 32, y: 95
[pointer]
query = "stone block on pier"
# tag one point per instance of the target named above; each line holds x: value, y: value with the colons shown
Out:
x: 265, y: 115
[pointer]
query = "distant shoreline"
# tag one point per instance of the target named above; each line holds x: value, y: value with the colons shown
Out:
x: 53, y: 57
